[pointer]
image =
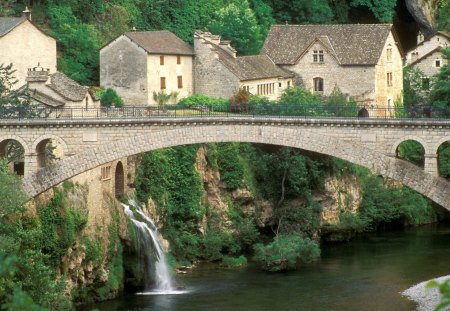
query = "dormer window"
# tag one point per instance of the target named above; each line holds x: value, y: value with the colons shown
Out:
x: 318, y: 56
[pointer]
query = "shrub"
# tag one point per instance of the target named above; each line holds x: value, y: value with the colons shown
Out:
x: 286, y: 252
x: 210, y: 103
x: 110, y: 97
x: 234, y: 262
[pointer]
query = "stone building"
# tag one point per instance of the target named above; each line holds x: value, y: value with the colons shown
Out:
x: 59, y: 91
x: 137, y: 64
x: 427, y: 55
x: 218, y: 72
x: 363, y: 61
x: 24, y: 45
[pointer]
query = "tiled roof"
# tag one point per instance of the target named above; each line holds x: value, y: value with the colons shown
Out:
x: 251, y: 67
x: 353, y: 44
x: 66, y: 87
x: 9, y: 23
x: 160, y: 42
x: 436, y: 49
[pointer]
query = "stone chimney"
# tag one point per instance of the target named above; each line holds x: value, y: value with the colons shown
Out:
x: 37, y: 75
x: 226, y: 46
x: 420, y: 37
x: 27, y: 13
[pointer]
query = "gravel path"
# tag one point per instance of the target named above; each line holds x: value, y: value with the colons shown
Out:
x: 426, y: 298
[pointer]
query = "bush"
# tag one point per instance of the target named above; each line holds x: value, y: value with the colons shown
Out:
x: 286, y: 252
x: 234, y: 262
x: 204, y: 102
x: 110, y: 98
x: 230, y: 167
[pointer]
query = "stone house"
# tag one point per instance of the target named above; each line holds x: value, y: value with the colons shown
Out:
x: 427, y: 55
x: 363, y: 61
x: 136, y: 64
x: 218, y: 72
x: 24, y: 45
x: 59, y: 91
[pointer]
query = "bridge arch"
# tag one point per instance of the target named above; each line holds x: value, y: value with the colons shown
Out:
x: 394, y: 146
x: 17, y: 138
x: 17, y: 167
x: 40, y: 143
x: 436, y: 188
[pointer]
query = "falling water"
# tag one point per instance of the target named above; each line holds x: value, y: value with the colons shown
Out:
x: 148, y: 238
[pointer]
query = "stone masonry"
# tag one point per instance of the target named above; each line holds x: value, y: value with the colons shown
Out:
x: 370, y: 143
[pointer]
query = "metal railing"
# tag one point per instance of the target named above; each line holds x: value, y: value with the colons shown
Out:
x: 265, y: 110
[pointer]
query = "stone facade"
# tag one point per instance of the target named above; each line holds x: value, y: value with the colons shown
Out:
x: 218, y: 72
x: 370, y: 143
x: 363, y: 61
x: 136, y: 70
x: 26, y: 46
x: 427, y: 55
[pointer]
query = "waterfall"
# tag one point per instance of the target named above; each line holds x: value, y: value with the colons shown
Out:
x: 148, y: 240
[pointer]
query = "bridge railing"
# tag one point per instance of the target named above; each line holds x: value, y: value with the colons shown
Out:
x: 272, y: 110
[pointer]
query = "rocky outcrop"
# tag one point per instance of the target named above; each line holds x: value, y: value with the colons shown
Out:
x: 424, y: 13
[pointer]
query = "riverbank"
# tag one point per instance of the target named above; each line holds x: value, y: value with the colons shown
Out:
x: 426, y: 298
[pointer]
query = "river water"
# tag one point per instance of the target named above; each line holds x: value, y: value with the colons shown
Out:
x: 363, y: 275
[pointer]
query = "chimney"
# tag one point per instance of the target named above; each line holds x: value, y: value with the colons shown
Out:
x: 37, y: 75
x: 27, y: 13
x: 226, y: 46
x: 420, y: 37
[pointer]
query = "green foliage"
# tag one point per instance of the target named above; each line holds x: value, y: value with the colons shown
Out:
x: 10, y: 201
x: 444, y: 289
x: 412, y: 151
x: 300, y: 101
x: 110, y: 98
x: 230, y: 167
x: 338, y: 105
x: 77, y: 43
x: 93, y: 250
x: 299, y: 219
x: 415, y: 88
x: 286, y: 252
x: 216, y: 242
x: 211, y: 103
x: 440, y: 93
x: 443, y: 17
x: 237, y: 23
x: 302, y: 11
x: 161, y: 97
x: 234, y: 262
x: 383, y: 10
x: 444, y: 160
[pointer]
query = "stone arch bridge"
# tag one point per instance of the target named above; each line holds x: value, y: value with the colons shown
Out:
x: 372, y: 143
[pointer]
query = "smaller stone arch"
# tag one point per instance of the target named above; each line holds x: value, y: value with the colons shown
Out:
x: 119, y: 181
x: 16, y: 154
x: 19, y: 139
x: 414, y: 157
x: 40, y: 144
x: 441, y: 141
x: 394, y: 146
x: 443, y: 158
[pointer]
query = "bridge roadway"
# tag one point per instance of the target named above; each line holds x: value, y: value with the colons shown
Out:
x: 372, y: 143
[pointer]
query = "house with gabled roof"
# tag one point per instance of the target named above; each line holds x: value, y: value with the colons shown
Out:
x: 137, y: 64
x: 24, y: 45
x: 363, y: 61
x: 427, y: 55
x: 219, y: 72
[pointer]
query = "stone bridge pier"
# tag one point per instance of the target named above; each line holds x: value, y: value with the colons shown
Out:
x: 89, y: 143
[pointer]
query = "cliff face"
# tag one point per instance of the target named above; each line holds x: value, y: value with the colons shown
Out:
x: 424, y: 13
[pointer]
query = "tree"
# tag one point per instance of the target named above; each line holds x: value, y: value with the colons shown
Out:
x: 416, y: 89
x: 111, y: 98
x: 162, y: 98
x: 237, y: 23
x: 383, y: 10
x: 302, y: 11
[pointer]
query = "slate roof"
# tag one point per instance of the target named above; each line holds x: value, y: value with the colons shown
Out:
x: 353, y: 44
x: 250, y: 67
x: 66, y: 87
x: 436, y: 49
x: 160, y: 42
x: 9, y: 23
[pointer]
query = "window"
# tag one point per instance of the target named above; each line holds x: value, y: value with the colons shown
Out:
x: 106, y: 172
x: 246, y: 88
x: 414, y: 56
x: 426, y: 83
x: 161, y: 60
x: 437, y: 63
x: 265, y: 89
x: 318, y: 56
x: 318, y: 85
x: 289, y: 83
x: 163, y: 83
x: 87, y: 101
x: 279, y: 84
x: 389, y: 54
x: 389, y: 78
x: 180, y: 82
x: 178, y: 59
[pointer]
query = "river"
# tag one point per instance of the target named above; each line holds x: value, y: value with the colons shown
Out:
x: 365, y: 274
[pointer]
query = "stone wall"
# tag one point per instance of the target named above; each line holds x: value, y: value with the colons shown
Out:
x: 354, y: 81
x: 428, y: 64
x: 211, y: 77
x: 123, y: 67
x: 26, y: 47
